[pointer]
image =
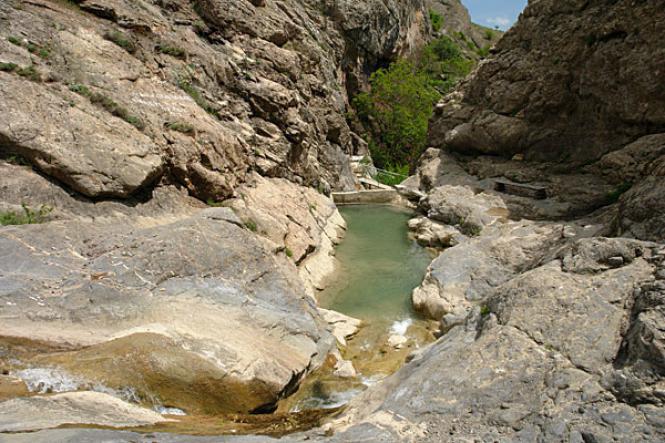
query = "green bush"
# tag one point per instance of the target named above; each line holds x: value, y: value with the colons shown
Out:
x: 18, y: 160
x: 614, y: 195
x: 30, y: 73
x: 398, y: 108
x: 436, y: 20
x: 197, y: 97
x: 489, y: 34
x: 251, y: 225
x: 400, y: 103
x: 115, y: 109
x: 484, y: 51
x: 200, y: 27
x: 445, y: 63
x: 121, y: 40
x: 29, y: 216
x: 183, y: 127
x: 173, y: 51
x: 80, y: 89
x: 288, y: 252
x: 14, y: 40
x: 485, y: 310
x: 8, y: 67
x: 103, y: 101
x: 393, y: 175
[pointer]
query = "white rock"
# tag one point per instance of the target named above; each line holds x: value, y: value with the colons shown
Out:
x: 342, y: 325
x: 345, y: 369
x: 397, y: 341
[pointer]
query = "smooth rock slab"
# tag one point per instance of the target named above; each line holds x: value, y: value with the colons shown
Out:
x: 90, y: 408
x: 196, y: 313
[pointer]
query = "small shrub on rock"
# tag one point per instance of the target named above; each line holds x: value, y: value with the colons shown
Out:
x: 251, y: 225
x: 121, y: 40
x: 436, y: 20
x: 29, y: 216
x: 183, y: 127
x: 197, y: 97
x: 8, y: 67
x: 173, y: 51
x: 30, y: 73
x: 108, y: 104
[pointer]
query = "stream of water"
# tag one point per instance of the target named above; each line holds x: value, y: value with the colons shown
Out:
x: 379, y: 265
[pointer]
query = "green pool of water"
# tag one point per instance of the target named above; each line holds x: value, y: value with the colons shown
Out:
x: 379, y: 266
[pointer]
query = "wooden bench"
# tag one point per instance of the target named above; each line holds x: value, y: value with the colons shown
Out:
x: 532, y: 191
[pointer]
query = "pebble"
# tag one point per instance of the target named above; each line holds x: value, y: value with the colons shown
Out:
x: 397, y: 341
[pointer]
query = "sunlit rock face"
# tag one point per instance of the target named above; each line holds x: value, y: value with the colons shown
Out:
x: 122, y: 93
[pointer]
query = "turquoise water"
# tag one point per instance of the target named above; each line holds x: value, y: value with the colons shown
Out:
x: 379, y: 266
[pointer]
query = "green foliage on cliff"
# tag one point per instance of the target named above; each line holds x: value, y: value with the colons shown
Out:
x: 394, y: 175
x: 614, y: 195
x: 180, y: 126
x: 105, y: 102
x: 121, y: 40
x: 8, y: 67
x: 173, y: 51
x: 28, y: 217
x: 398, y: 107
x: 436, y: 20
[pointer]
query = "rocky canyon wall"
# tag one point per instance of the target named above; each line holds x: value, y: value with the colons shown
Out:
x: 575, y: 89
x: 121, y: 120
x: 110, y: 96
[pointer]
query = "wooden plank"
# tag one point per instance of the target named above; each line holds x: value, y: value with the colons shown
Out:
x: 524, y: 190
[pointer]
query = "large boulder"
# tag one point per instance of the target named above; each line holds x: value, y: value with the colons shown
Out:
x: 466, y: 274
x: 185, y: 312
x: 303, y: 222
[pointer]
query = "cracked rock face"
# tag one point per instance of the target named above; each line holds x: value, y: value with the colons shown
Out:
x: 120, y: 93
x: 565, y: 83
x: 569, y: 94
x: 556, y: 354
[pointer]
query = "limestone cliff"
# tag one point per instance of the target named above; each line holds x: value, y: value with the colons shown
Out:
x: 456, y: 23
x: 572, y: 86
x: 110, y: 96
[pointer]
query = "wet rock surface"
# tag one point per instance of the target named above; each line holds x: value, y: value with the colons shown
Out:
x: 72, y: 408
x: 123, y: 120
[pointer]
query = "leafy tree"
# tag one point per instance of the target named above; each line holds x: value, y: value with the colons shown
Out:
x: 398, y: 108
x: 400, y: 103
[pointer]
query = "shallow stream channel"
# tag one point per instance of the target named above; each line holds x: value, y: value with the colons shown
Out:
x: 379, y: 266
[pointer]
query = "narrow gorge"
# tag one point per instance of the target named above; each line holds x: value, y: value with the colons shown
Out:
x: 331, y: 221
